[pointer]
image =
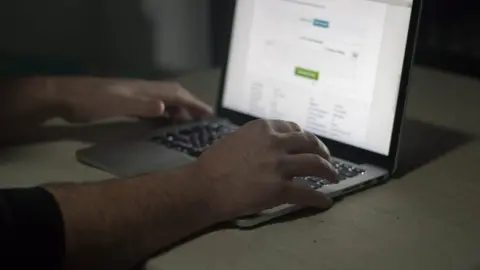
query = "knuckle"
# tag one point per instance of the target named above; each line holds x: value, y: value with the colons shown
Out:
x: 318, y: 160
x: 259, y: 122
x: 264, y: 122
x: 257, y: 125
x: 319, y: 145
x: 250, y: 126
x: 275, y: 140
x: 323, y: 167
x: 311, y: 138
x: 295, y: 127
x: 266, y: 126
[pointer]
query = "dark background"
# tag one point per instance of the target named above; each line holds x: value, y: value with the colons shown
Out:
x: 449, y: 36
x: 449, y: 39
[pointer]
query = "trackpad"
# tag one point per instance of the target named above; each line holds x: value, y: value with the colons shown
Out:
x: 133, y: 158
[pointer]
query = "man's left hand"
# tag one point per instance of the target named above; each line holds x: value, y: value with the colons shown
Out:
x: 87, y: 99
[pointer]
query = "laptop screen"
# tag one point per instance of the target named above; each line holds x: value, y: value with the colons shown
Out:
x: 332, y: 66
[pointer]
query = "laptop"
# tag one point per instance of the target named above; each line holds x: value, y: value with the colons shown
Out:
x: 338, y: 68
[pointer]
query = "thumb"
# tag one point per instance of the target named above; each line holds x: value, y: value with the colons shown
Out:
x: 304, y: 195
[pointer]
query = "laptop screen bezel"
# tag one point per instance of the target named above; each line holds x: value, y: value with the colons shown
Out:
x: 338, y: 149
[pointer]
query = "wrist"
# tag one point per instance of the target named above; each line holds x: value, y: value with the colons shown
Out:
x: 198, y: 185
x: 31, y: 100
x: 208, y: 192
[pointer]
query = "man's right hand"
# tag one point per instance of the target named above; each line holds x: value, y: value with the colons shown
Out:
x: 115, y: 224
x: 252, y: 169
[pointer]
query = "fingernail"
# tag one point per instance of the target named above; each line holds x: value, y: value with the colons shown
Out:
x: 162, y: 107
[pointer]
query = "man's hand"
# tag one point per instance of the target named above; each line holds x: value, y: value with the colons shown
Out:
x: 26, y: 103
x: 87, y: 99
x: 252, y: 169
x: 116, y: 224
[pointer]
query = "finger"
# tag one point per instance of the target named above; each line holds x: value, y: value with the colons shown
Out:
x: 308, y: 165
x: 304, y: 142
x: 301, y: 194
x: 284, y: 126
x: 177, y: 96
x: 195, y: 107
x: 178, y: 114
x: 152, y: 108
x: 136, y: 107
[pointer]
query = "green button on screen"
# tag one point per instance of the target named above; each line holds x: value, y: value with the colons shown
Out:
x: 307, y: 73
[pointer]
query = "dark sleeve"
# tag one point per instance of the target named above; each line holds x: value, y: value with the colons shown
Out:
x: 31, y: 230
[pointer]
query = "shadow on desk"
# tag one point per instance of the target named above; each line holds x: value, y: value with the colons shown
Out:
x: 422, y: 143
x: 229, y: 226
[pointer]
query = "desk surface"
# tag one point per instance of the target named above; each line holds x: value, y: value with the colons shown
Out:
x: 427, y: 219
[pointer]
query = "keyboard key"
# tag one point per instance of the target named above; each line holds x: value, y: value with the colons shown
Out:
x: 195, y: 140
x: 315, y: 185
x: 312, y: 182
x: 345, y: 171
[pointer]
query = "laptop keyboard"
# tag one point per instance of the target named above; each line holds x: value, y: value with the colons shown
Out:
x: 195, y: 140
x: 344, y: 170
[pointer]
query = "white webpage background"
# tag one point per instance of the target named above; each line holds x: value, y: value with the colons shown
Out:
x: 358, y: 57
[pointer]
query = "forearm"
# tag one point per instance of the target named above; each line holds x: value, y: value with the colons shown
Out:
x: 119, y: 223
x: 24, y: 104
